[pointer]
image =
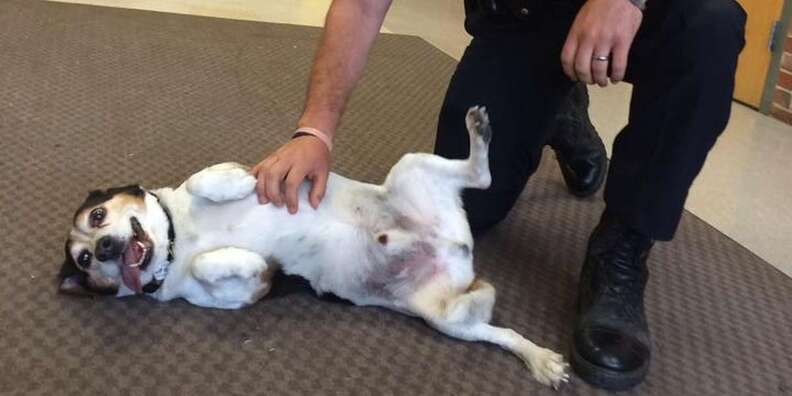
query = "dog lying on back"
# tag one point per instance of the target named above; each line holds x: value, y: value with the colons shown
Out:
x: 404, y: 245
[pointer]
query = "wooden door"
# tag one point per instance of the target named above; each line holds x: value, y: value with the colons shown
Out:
x: 755, y: 59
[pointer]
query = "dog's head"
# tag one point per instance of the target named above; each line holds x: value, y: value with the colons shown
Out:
x: 118, y: 240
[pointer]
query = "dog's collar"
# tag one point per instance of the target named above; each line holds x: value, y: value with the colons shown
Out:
x: 159, y: 276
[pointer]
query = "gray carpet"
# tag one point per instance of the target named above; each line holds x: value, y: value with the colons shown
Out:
x: 92, y: 97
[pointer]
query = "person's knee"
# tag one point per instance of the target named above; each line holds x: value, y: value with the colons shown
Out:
x: 717, y: 25
x: 480, y: 225
x: 486, y: 209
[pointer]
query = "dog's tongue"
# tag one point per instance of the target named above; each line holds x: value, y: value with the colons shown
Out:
x: 131, y: 277
x: 129, y: 274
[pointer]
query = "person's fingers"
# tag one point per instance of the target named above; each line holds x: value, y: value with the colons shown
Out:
x: 273, y: 184
x: 583, y: 61
x: 292, y: 185
x: 619, y: 59
x: 265, y: 164
x: 261, y: 188
x: 318, y: 188
x: 568, y: 56
x: 279, y: 176
x: 599, y: 68
x: 260, y: 173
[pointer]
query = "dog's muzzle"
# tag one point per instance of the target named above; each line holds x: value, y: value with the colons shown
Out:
x: 136, y: 257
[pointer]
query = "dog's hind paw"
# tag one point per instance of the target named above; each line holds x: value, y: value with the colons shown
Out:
x: 549, y: 368
x: 477, y: 121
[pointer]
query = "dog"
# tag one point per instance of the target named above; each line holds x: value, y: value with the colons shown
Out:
x: 404, y: 245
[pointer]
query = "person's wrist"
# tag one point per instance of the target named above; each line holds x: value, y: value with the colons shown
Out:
x: 324, y: 121
x: 316, y: 133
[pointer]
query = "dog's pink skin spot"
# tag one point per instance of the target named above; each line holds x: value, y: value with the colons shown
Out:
x: 406, y: 270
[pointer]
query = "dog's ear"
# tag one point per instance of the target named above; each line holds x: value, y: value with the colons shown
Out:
x: 70, y: 279
x: 74, y: 285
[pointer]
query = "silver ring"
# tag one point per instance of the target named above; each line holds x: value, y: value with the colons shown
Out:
x: 602, y: 58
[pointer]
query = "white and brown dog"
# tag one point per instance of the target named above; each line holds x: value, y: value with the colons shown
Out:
x: 404, y: 245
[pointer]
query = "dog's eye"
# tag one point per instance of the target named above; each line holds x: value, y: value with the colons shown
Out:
x: 84, y: 260
x: 97, y: 216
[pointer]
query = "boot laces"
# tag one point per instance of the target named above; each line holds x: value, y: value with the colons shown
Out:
x: 625, y: 275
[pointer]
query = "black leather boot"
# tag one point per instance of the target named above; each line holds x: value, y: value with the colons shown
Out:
x: 611, y: 344
x: 580, y: 152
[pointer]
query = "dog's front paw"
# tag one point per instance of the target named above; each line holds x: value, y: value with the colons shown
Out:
x: 216, y: 265
x: 477, y: 121
x: 549, y: 368
x: 222, y: 182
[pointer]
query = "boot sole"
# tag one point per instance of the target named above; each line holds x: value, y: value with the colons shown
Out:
x: 604, y: 378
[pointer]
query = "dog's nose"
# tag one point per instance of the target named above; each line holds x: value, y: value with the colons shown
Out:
x: 107, y: 248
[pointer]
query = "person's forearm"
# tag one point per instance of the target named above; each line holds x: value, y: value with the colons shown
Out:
x: 350, y: 29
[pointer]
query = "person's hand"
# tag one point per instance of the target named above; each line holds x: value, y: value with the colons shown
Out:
x: 602, y: 28
x: 281, y: 173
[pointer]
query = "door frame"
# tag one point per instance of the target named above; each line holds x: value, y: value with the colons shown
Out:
x: 775, y: 61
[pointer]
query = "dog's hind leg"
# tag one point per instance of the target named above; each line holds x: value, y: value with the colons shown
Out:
x: 466, y: 316
x: 472, y: 172
x: 546, y: 366
x: 480, y: 131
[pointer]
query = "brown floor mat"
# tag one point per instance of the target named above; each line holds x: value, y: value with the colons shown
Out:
x: 93, y: 97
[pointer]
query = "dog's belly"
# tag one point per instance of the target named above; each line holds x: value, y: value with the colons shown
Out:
x: 354, y: 245
x: 401, y: 273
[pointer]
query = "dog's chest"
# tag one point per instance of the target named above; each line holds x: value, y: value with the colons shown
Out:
x: 203, y: 226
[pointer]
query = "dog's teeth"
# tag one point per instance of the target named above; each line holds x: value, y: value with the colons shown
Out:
x: 140, y: 262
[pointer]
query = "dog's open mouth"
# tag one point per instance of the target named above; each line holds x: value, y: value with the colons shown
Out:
x: 136, y: 257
